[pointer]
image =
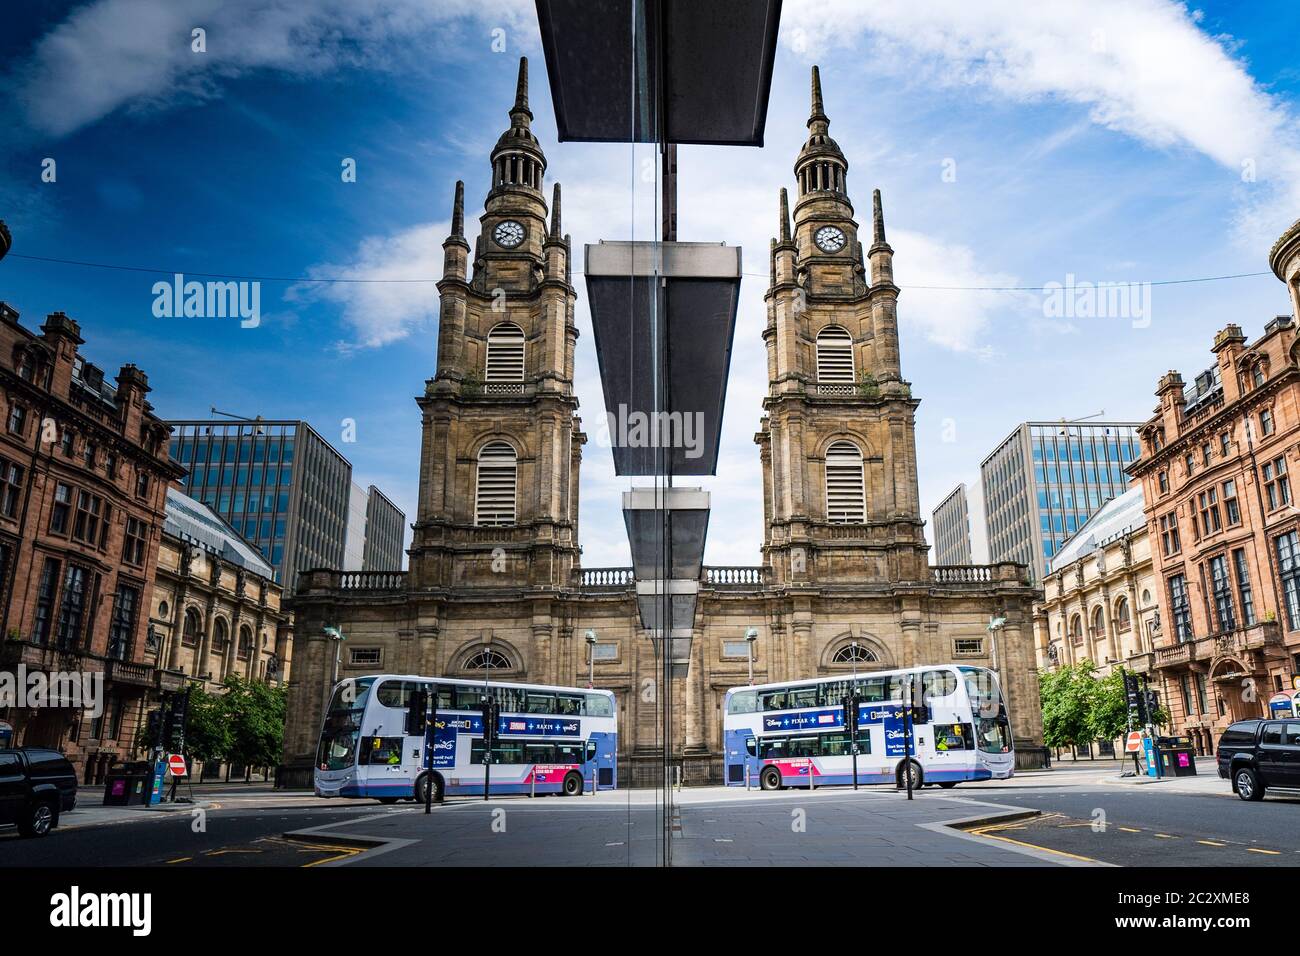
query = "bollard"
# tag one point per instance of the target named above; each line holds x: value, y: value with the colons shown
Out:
x: 532, y: 784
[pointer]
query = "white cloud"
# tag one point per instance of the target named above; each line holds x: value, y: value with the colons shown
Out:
x: 136, y: 54
x: 1140, y: 67
x: 396, y: 295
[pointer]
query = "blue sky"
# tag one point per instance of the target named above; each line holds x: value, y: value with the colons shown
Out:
x: 1108, y: 139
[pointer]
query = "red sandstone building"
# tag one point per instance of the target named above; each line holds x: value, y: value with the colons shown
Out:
x: 84, y: 472
x: 1220, y: 471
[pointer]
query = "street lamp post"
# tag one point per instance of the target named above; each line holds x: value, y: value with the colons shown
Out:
x: 852, y: 715
x: 751, y: 638
x: 591, y: 660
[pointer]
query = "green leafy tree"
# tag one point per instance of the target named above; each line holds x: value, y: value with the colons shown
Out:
x: 255, y: 714
x: 1108, y: 715
x: 1067, y: 697
x: 208, y: 736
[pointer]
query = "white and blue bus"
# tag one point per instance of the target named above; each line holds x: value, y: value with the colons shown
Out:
x: 549, y: 740
x: 794, y: 733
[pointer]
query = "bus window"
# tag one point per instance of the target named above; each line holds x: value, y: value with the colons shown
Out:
x: 397, y: 693
x: 445, y: 696
x: 802, y: 697
x: 351, y: 695
x: 566, y: 753
x: 774, y: 700
x: 939, y: 683
x: 743, y: 702
x: 539, y: 753
x: 591, y: 750
x: 568, y: 705
x: 835, y: 745
x: 381, y: 751
x: 598, y: 705
x: 953, y: 737
x: 802, y: 747
x: 993, y: 735
x: 774, y: 748
x: 468, y: 698
x: 540, y: 703
x: 503, y: 751
x: 338, y: 746
x: 872, y: 690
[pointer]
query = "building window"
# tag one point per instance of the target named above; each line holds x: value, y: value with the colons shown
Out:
x: 220, y: 635
x: 608, y: 650
x: 88, y: 454
x: 1243, y: 587
x: 17, y: 420
x: 1206, y: 453
x: 11, y: 483
x: 66, y: 442
x: 110, y: 465
x: 1288, y: 559
x: 1122, y: 620
x: 1076, y: 630
x: 1189, y: 460
x: 853, y: 654
x: 1169, y: 542
x: 142, y: 484
x: 968, y: 647
x: 1203, y: 705
x: 45, y: 602
x: 505, y: 354
x: 487, y: 659
x: 126, y: 608
x: 72, y: 610
x: 91, y: 523
x: 1225, y: 443
x: 1277, y: 486
x: 1209, y: 502
x: 133, y: 541
x: 190, y: 629
x: 1266, y: 421
x: 1162, y: 479
x: 62, y: 509
x: 494, y: 498
x: 835, y: 356
x: 846, y: 499
x: 1098, y: 624
x: 1185, y: 684
x: 1179, y: 608
x: 1231, y: 508
x: 1257, y: 374
x: 365, y: 656
x: 245, y: 649
x: 1221, y: 587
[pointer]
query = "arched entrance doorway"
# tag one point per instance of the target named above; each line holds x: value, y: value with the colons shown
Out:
x: 1237, y: 689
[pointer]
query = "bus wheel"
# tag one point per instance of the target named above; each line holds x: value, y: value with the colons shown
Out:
x: 770, y: 779
x: 386, y: 800
x: 914, y: 768
x: 572, y: 785
x: 422, y: 786
x: 948, y: 784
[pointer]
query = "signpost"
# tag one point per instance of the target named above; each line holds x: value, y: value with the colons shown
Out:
x: 176, y: 764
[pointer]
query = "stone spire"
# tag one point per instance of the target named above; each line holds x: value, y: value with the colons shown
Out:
x: 520, y: 112
x: 458, y: 212
x: 820, y: 166
x: 878, y: 224
x: 785, y: 216
x: 556, y: 231
x: 818, y: 113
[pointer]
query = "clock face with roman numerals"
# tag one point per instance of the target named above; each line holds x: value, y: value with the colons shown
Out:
x: 508, y: 234
x: 829, y: 238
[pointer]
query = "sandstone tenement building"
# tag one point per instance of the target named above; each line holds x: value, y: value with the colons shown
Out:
x: 494, y: 571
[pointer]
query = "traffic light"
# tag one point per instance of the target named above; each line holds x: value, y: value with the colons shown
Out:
x: 850, y: 704
x: 417, y: 713
x: 1151, y: 700
x: 153, y: 726
x: 1135, y: 698
x: 491, y: 711
x: 174, y: 724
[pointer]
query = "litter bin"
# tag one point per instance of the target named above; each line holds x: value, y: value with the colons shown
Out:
x: 1178, y: 756
x: 128, y: 785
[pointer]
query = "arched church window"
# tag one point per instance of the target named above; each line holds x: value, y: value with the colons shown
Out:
x: 220, y: 634
x: 190, y: 630
x: 1121, y: 613
x: 505, y: 354
x: 846, y: 498
x: 487, y: 659
x: 854, y: 654
x: 835, y: 356
x: 494, y: 498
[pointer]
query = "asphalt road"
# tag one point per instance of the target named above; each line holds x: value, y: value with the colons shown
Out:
x: 1152, y: 826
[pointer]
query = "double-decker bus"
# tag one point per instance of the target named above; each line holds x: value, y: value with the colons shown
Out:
x: 794, y: 733
x: 548, y: 740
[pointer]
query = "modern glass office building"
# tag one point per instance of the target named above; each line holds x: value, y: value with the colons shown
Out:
x: 1046, y: 479
x: 279, y: 484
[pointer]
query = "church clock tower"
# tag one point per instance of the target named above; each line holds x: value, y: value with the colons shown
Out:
x: 502, y: 443
x: 837, y: 441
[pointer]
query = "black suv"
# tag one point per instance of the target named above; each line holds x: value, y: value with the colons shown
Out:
x: 1258, y: 755
x: 35, y: 787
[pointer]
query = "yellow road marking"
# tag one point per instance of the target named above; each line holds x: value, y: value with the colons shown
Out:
x: 229, y: 850
x: 181, y: 859
x: 1211, y: 843
x: 330, y: 859
x: 1252, y: 849
x: 1166, y: 836
x: 1128, y: 829
x: 988, y: 832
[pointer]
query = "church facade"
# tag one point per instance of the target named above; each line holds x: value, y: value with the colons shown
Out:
x: 495, y: 578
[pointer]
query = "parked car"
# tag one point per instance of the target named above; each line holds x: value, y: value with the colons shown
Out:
x: 1260, y: 755
x: 35, y: 787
